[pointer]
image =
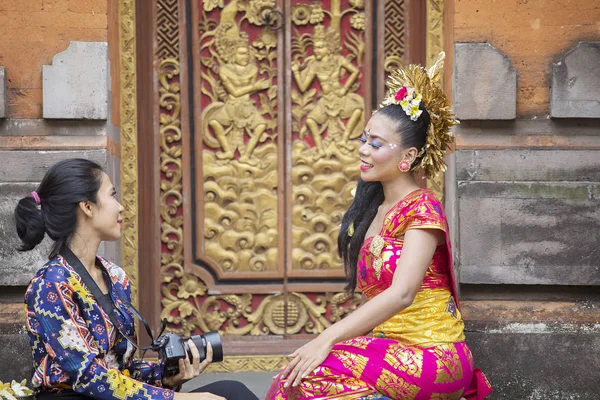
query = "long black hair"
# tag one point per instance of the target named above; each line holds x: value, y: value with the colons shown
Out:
x: 369, y: 195
x: 65, y: 185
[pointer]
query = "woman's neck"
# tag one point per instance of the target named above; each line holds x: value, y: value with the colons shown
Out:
x: 85, y: 248
x: 397, y: 189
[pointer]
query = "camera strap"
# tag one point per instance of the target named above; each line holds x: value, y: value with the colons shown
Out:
x: 106, y: 301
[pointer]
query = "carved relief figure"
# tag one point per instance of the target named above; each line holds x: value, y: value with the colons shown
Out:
x: 327, y: 65
x: 239, y: 125
x: 238, y: 75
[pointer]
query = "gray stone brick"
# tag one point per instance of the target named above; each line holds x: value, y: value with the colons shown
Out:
x: 3, y: 101
x: 30, y: 166
x: 528, y: 165
x: 576, y: 83
x: 485, y: 83
x: 528, y: 217
x: 512, y: 233
x: 50, y: 127
x: 75, y: 86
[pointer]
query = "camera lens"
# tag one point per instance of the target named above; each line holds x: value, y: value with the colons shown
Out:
x: 201, y: 342
x: 214, y: 339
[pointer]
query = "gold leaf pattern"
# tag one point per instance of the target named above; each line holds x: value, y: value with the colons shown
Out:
x: 449, y: 367
x: 352, y: 361
x: 397, y: 388
x: 405, y: 358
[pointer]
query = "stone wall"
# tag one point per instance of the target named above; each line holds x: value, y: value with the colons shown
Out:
x: 55, y: 104
x: 524, y: 192
x: 32, y: 32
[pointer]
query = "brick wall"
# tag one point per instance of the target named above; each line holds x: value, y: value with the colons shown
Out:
x: 31, y: 33
x: 533, y: 34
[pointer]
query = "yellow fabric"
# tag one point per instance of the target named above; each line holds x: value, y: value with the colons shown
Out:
x: 426, y: 322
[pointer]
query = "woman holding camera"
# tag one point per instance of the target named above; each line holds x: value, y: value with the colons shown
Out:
x: 78, y: 351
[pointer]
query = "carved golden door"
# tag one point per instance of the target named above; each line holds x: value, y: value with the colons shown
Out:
x: 259, y: 102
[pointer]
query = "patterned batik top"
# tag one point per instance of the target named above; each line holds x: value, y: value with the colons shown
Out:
x: 76, y: 347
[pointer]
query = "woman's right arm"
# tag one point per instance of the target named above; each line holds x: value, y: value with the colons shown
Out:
x: 66, y: 337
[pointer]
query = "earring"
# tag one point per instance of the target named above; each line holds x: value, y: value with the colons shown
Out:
x: 404, y: 166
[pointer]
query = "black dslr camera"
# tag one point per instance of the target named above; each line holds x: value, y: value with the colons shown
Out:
x: 172, y: 347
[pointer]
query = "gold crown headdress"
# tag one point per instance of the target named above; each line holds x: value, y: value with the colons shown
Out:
x: 415, y: 85
x: 329, y: 36
x: 228, y: 39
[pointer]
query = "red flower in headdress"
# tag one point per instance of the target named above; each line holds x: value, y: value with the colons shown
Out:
x: 402, y: 92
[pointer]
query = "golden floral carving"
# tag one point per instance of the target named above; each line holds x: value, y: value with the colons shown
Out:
x: 210, y: 5
x: 358, y: 21
x: 317, y: 15
x: 359, y: 4
x: 171, y: 191
x: 249, y: 364
x: 301, y: 14
x: 173, y: 276
x: 233, y: 314
x: 241, y: 211
x: 435, y: 37
x: 255, y: 10
x: 324, y: 167
x: 129, y: 172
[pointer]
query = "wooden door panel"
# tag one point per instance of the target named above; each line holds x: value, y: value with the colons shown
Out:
x: 238, y: 213
x: 328, y: 90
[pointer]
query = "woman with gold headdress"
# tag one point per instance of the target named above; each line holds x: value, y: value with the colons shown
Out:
x: 395, y: 246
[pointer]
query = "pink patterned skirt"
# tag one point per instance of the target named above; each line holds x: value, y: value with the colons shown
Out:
x: 366, y: 366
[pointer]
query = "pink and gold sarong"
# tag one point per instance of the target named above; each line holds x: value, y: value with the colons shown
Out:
x: 420, y: 352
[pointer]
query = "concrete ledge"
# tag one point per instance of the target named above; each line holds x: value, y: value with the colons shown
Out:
x: 538, y: 366
x: 42, y: 127
x: 53, y: 142
x: 30, y: 166
x: 527, y: 273
x: 528, y: 165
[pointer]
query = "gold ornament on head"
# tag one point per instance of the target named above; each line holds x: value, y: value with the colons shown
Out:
x: 412, y: 86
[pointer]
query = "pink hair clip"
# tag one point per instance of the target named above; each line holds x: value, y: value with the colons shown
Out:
x: 36, y: 197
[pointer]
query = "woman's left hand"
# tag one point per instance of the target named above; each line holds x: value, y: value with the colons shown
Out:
x: 189, y: 370
x: 304, y: 361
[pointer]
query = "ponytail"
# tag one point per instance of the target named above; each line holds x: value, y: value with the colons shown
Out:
x: 30, y: 223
